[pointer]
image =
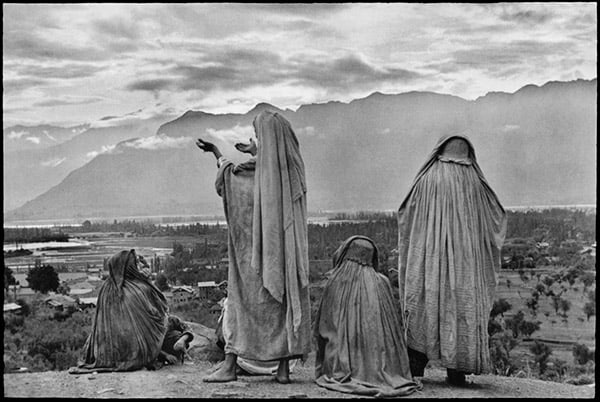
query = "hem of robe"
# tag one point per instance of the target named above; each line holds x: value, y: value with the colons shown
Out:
x: 453, y: 365
x: 231, y: 350
x: 352, y: 386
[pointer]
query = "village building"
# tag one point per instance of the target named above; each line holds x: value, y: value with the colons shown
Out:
x: 205, y: 289
x: 169, y: 296
x: 86, y: 302
x: 182, y: 294
x: 12, y: 308
x: 59, y: 301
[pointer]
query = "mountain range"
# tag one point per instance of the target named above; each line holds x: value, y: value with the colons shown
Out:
x: 536, y: 146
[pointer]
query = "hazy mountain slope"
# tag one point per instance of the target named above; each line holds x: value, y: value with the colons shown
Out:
x: 536, y: 146
x: 28, y: 173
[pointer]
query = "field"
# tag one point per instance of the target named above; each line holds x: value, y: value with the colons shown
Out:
x: 103, y: 245
x: 559, y: 334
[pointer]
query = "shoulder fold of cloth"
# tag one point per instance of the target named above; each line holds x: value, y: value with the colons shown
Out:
x: 279, y: 237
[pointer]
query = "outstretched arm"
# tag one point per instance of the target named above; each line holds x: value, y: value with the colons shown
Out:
x: 209, y: 147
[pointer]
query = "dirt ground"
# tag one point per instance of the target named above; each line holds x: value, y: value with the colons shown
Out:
x: 185, y: 381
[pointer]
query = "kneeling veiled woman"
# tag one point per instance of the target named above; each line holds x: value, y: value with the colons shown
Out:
x: 130, y: 322
x: 360, y: 341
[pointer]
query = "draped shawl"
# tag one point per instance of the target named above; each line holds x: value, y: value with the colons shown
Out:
x: 130, y: 322
x: 279, y: 225
x: 255, y: 326
x: 360, y: 339
x: 451, y: 227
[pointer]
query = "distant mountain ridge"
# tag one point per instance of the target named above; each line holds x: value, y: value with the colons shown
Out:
x: 535, y: 146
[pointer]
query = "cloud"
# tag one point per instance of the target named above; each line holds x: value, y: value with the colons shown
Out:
x: 151, y: 84
x: 79, y: 130
x: 504, y: 60
x: 35, y: 140
x: 525, y: 16
x: 117, y: 27
x: 348, y: 72
x: 32, y: 46
x: 69, y: 100
x: 508, y: 128
x: 238, y: 69
x: 157, y: 112
x: 17, y: 134
x: 56, y: 70
x: 157, y: 142
x: 308, y: 131
x: 103, y: 150
x: 233, y: 135
x: 53, y: 162
x: 22, y: 84
x: 312, y: 9
x: 47, y: 134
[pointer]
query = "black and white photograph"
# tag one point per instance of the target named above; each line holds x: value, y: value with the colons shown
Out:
x: 299, y: 200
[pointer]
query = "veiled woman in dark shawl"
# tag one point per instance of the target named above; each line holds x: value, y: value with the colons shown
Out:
x: 360, y: 339
x: 130, y: 322
x: 451, y: 229
x: 268, y: 308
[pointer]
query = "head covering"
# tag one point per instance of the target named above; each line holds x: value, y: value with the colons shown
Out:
x: 437, y: 154
x: 123, y: 265
x: 360, y: 249
x: 279, y: 227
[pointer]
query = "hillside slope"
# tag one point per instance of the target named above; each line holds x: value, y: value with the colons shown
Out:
x: 185, y: 382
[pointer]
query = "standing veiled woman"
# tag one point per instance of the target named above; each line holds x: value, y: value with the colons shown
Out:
x: 130, y: 321
x: 268, y: 306
x: 451, y: 229
x: 360, y: 340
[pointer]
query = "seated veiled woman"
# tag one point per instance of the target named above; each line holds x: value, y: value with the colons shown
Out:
x: 360, y: 340
x: 130, y: 322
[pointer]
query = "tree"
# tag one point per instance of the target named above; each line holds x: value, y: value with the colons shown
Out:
x: 565, y: 306
x: 548, y: 281
x: 161, y: 282
x: 588, y: 279
x: 63, y: 288
x: 540, y: 288
x: 500, y: 307
x: 582, y: 354
x: 541, y: 353
x: 532, y: 304
x: 589, y: 309
x: 529, y: 327
x: 556, y: 303
x: 9, y: 279
x: 43, y: 279
x: 514, y: 323
x: 25, y: 308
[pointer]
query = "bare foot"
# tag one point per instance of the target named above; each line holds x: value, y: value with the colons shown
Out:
x: 227, y: 371
x: 283, y: 372
x: 223, y: 374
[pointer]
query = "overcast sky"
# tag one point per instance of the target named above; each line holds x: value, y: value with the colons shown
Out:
x: 76, y: 63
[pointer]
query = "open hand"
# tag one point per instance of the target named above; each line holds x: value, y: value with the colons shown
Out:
x: 205, y: 145
x: 249, y: 148
x: 208, y: 147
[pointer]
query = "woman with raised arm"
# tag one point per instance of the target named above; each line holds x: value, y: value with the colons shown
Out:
x: 451, y: 227
x: 264, y: 199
